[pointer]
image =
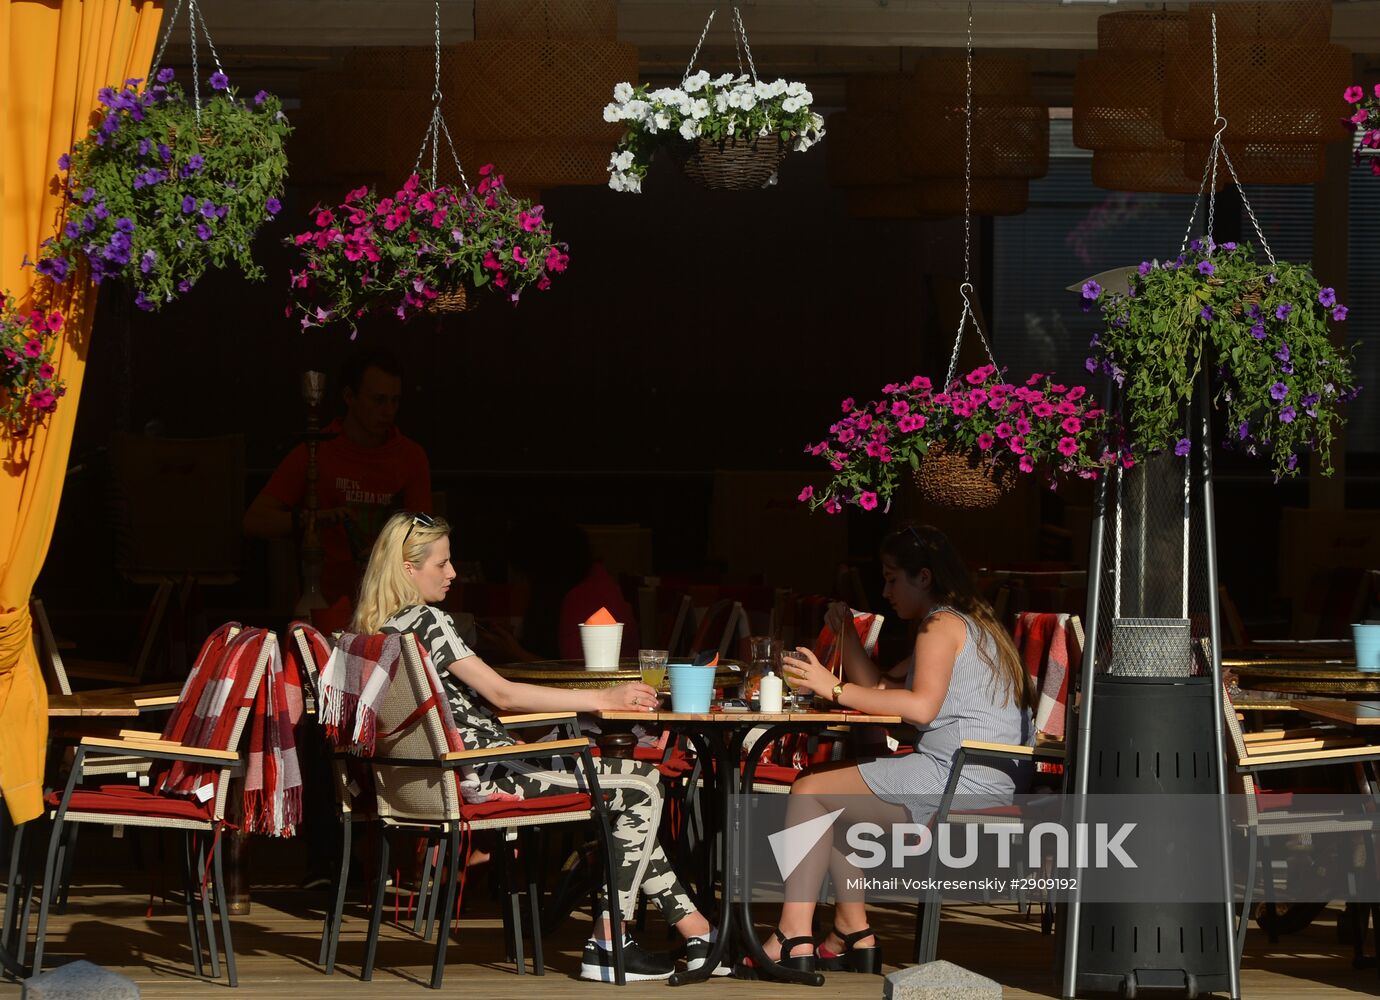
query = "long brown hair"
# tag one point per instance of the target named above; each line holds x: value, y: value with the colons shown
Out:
x: 914, y: 547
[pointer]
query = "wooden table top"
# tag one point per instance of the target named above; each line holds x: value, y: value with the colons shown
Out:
x: 755, y: 718
x: 1351, y: 713
x: 88, y: 705
x: 573, y: 674
x: 1300, y: 675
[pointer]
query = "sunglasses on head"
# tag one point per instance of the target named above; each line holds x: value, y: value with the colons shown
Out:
x: 424, y: 520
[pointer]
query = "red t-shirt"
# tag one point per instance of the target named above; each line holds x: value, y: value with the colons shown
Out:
x: 370, y: 483
x: 597, y: 590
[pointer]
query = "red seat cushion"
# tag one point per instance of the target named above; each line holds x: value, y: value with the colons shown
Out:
x: 130, y: 800
x: 512, y: 809
x: 677, y: 765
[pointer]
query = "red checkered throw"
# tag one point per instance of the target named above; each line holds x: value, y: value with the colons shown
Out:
x: 273, y: 776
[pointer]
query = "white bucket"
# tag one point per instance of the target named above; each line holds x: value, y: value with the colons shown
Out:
x: 601, y: 644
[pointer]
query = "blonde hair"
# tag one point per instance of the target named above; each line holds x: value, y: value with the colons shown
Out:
x: 386, y: 588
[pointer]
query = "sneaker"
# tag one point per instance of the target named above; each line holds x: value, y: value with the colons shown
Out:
x: 638, y: 965
x: 697, y: 951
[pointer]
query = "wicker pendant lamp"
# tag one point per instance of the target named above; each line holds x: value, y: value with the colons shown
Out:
x: 1280, y: 85
x: 1118, y: 104
x: 861, y: 150
x: 530, y: 89
x: 1010, y: 127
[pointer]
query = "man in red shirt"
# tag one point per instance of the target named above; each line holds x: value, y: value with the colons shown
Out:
x: 364, y: 473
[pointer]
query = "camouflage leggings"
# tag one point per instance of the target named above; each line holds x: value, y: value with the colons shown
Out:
x: 632, y: 789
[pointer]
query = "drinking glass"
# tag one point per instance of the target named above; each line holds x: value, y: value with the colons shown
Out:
x: 800, y: 698
x: 652, y: 663
x: 765, y: 652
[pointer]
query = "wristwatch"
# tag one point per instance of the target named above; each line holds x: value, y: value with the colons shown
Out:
x: 837, y: 693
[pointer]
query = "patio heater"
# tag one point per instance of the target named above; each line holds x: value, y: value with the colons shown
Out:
x: 1150, y: 720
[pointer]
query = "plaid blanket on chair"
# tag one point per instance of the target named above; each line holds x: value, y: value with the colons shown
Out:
x: 183, y: 712
x: 1047, y: 648
x: 273, y: 777
x: 353, y: 686
x: 212, y: 722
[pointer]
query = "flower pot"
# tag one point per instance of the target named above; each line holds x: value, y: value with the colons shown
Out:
x: 961, y: 480
x: 453, y: 300
x: 737, y: 163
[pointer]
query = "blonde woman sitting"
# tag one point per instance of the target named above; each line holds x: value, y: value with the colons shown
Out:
x: 409, y: 570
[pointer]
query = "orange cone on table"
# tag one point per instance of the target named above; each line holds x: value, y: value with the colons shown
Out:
x: 601, y: 638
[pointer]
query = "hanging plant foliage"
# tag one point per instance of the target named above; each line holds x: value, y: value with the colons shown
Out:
x: 158, y: 191
x: 424, y: 248
x: 29, y: 384
x: 992, y: 424
x: 1261, y: 328
x: 1365, y: 118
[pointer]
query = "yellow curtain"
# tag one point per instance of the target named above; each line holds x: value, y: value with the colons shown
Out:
x: 54, y: 56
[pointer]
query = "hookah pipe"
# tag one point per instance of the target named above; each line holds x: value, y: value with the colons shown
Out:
x: 313, y: 391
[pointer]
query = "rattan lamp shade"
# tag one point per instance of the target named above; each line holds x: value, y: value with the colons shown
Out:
x: 1264, y: 162
x: 1271, y: 90
x: 531, y: 88
x: 860, y: 143
x: 1159, y: 170
x: 1010, y: 128
x: 546, y: 19
x: 1010, y: 138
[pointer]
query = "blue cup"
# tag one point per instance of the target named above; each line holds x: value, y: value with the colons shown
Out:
x: 692, y: 687
x: 1367, y: 639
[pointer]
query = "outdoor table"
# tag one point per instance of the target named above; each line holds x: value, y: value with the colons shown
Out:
x: 93, y: 705
x: 1361, y: 715
x: 1304, y: 676
x: 720, y: 736
x: 574, y: 674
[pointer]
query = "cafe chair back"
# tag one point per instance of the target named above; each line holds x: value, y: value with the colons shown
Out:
x: 418, y: 767
x: 189, y: 767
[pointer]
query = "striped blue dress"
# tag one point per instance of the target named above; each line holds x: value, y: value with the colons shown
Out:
x: 972, y: 710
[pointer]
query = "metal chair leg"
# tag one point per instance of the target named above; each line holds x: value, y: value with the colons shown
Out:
x: 69, y: 852
x: 223, y: 904
x: 376, y: 916
x: 46, y: 896
x: 442, y: 859
x: 532, y: 864
x: 189, y: 897
x: 424, y: 888
x: 212, y: 946
x: 330, y: 934
x: 12, y: 890
x: 438, y: 969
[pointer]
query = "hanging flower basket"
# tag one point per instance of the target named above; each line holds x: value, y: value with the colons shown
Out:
x: 950, y: 478
x: 1365, y: 118
x: 1262, y: 330
x: 426, y: 248
x: 453, y: 300
x: 736, y: 163
x: 29, y: 385
x: 157, y: 193
x: 963, y: 446
x: 728, y: 133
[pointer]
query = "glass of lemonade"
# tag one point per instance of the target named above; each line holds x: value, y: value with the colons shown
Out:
x: 800, y: 698
x: 652, y: 663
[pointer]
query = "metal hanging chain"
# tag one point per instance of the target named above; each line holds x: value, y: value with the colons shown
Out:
x: 740, y: 43
x: 966, y: 288
x: 437, y: 129
x: 740, y: 33
x: 694, y: 56
x: 1217, y: 148
x: 194, y: 18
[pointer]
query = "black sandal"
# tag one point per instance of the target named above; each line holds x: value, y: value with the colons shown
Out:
x: 867, y: 960
x: 746, y: 969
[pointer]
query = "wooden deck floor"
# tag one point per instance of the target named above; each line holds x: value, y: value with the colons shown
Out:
x: 276, y: 947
